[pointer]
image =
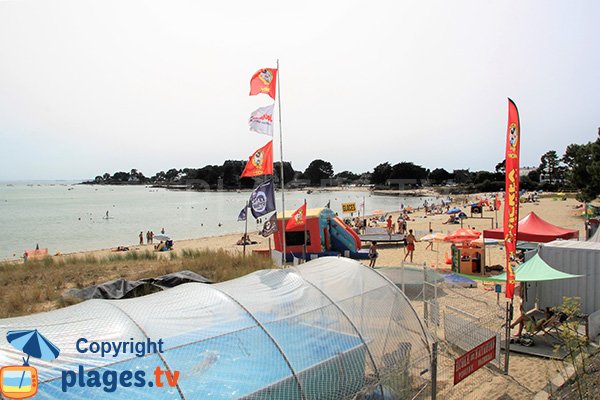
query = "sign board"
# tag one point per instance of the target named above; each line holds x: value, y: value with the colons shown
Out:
x: 348, y: 208
x: 474, y: 359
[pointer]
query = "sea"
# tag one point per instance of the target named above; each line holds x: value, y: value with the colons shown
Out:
x: 66, y: 217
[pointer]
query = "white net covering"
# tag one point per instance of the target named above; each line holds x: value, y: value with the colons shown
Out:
x: 328, y: 329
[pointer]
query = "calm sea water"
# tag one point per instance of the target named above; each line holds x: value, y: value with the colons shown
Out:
x: 66, y: 217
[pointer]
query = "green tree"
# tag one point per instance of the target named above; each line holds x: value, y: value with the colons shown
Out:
x: 288, y: 171
x: 583, y: 169
x: 318, y: 170
x: 501, y: 167
x: 550, y: 166
x: 439, y: 176
x: 462, y: 176
x: 408, y: 170
x: 381, y: 173
x: 350, y: 176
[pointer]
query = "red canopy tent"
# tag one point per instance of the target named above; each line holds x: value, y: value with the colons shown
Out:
x: 534, y: 229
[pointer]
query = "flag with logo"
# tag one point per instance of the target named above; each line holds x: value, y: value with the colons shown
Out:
x: 511, y: 197
x: 270, y: 226
x: 262, y: 199
x: 264, y: 81
x: 297, y: 219
x: 261, y: 120
x: 260, y: 162
x: 243, y: 214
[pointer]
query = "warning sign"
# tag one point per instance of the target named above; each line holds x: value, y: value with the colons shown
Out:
x: 474, y: 359
x: 348, y: 208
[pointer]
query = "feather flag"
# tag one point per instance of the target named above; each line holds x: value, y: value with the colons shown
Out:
x: 262, y: 199
x: 511, y: 199
x: 264, y: 81
x: 261, y: 120
x: 260, y: 162
x: 297, y: 219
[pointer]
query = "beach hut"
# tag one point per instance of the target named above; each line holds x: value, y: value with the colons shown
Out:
x: 329, y: 329
x: 572, y: 257
x: 466, y: 256
x: 327, y: 235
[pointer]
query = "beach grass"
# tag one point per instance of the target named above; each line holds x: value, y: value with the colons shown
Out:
x: 37, y: 286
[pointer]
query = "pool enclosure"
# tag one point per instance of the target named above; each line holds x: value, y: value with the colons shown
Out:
x: 328, y: 329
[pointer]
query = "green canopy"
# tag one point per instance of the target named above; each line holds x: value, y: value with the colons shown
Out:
x: 534, y: 270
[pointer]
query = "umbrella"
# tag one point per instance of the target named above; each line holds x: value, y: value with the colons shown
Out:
x: 161, y: 236
x: 436, y: 237
x: 32, y: 343
x: 453, y: 210
x: 377, y: 212
x: 463, y: 235
x: 427, y: 237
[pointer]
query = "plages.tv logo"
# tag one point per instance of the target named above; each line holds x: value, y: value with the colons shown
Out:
x: 21, y: 381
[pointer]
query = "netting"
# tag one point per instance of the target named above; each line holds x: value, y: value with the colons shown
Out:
x: 329, y: 329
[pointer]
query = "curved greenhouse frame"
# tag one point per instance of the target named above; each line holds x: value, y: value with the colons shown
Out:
x: 328, y: 329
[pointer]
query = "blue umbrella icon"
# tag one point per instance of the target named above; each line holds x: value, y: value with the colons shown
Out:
x: 34, y: 344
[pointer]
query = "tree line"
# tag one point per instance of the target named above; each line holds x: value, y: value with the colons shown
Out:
x: 578, y: 169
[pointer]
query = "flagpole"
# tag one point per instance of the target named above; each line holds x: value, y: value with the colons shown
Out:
x: 305, y: 222
x: 245, y: 228
x: 281, y: 166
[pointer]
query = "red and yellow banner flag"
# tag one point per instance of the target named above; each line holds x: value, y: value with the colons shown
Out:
x: 264, y: 81
x: 297, y: 219
x: 511, y: 196
x: 260, y: 162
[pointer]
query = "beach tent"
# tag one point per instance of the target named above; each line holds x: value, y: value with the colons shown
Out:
x: 534, y: 229
x: 535, y: 270
x: 328, y: 329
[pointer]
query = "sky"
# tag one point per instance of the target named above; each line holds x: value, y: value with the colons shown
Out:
x: 88, y: 87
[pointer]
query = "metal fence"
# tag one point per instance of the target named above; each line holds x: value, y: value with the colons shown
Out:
x: 459, y: 319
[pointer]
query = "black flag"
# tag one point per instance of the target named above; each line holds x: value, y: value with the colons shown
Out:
x: 243, y: 214
x: 262, y: 199
x: 270, y: 226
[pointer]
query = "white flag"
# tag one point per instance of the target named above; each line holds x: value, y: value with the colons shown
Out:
x: 261, y: 120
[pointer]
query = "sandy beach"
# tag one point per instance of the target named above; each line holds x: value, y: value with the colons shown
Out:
x: 558, y: 212
x: 528, y: 374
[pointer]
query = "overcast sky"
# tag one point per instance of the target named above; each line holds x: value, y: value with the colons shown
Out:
x: 88, y: 87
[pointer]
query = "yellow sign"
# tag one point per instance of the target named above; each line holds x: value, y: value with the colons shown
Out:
x: 348, y: 208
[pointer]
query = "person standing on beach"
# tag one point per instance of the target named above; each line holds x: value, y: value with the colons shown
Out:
x: 151, y: 237
x: 142, y: 237
x: 390, y: 226
x: 410, y: 245
x: 373, y: 254
x: 430, y: 244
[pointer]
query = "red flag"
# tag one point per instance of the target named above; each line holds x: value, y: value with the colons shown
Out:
x: 264, y: 81
x: 260, y: 162
x: 511, y: 196
x: 297, y: 219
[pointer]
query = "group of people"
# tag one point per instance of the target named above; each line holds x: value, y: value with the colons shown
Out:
x: 149, y: 236
x: 409, y: 248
